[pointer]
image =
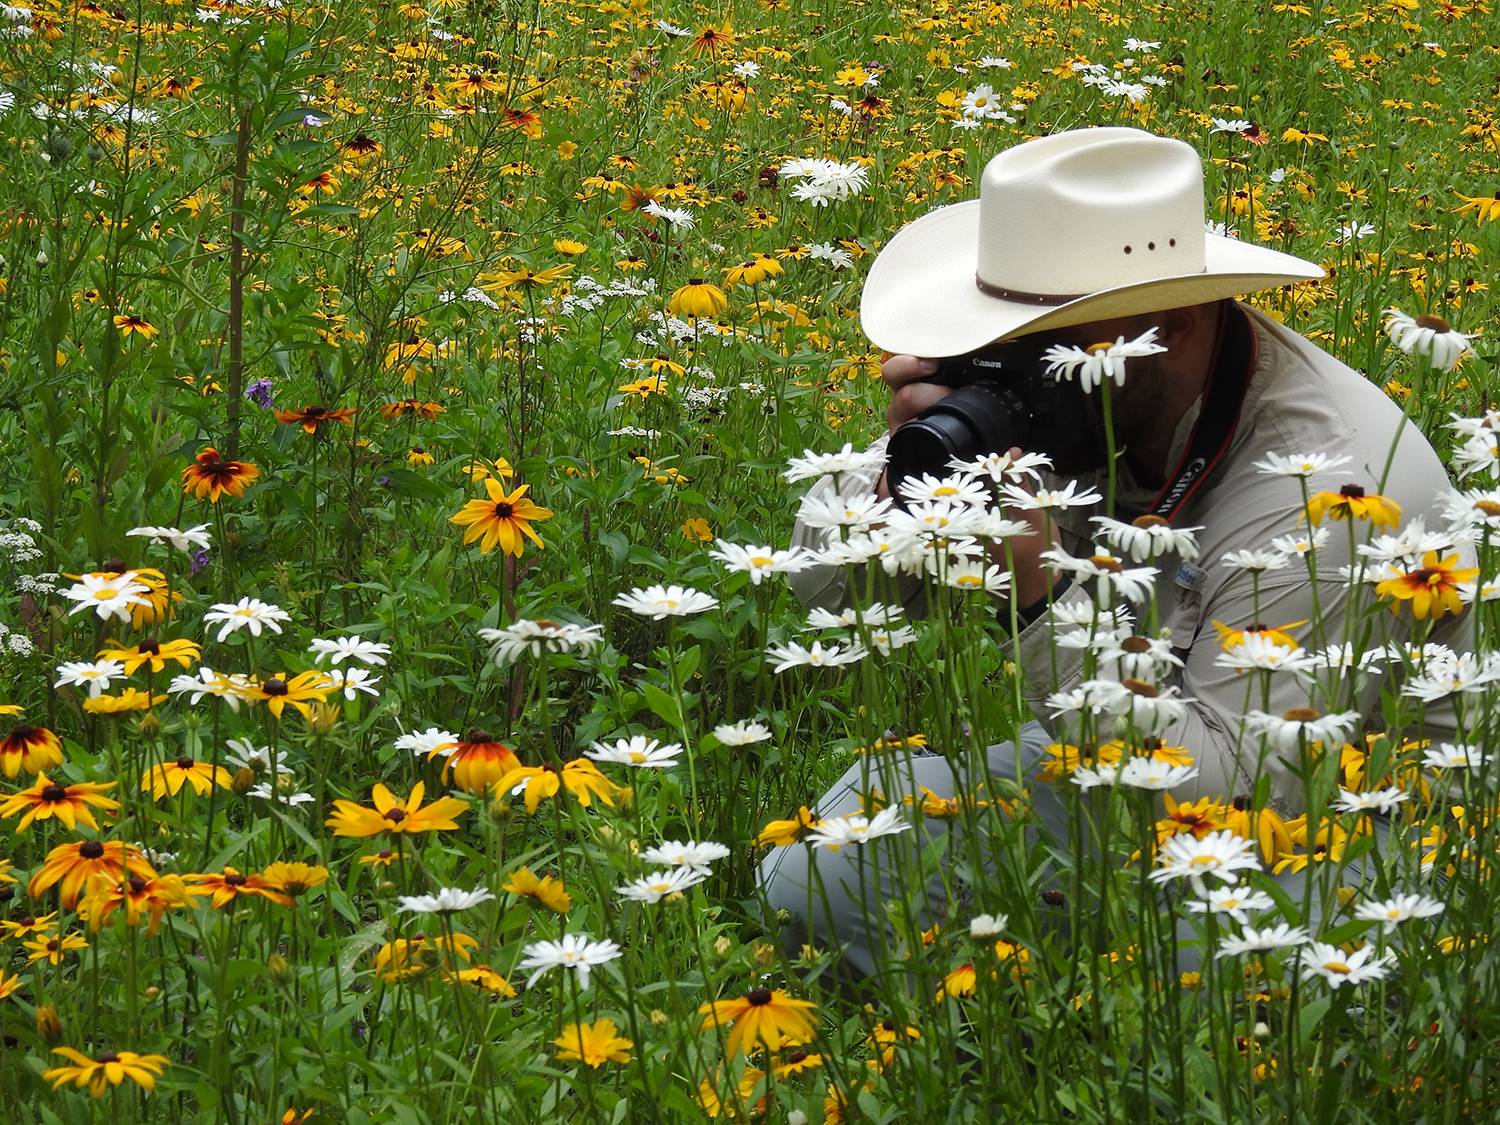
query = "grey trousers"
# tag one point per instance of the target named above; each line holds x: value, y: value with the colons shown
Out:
x: 842, y: 900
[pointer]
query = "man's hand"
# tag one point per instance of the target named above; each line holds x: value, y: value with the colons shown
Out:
x: 910, y: 396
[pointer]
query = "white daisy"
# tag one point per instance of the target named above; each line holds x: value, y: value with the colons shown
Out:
x: 686, y: 853
x: 659, y: 884
x: 578, y: 952
x: 1101, y: 361
x: 532, y: 638
x: 842, y: 511
x: 1397, y: 909
x: 1279, y: 936
x: 184, y: 541
x: 1428, y: 336
x: 339, y: 649
x: 448, y: 900
x: 96, y: 675
x: 1302, y: 465
x: 1287, y: 731
x: 1219, y: 854
x: 352, y: 681
x: 847, y: 460
x: 1455, y: 756
x: 1049, y: 499
x: 758, y: 562
x: 111, y: 596
x: 433, y: 740
x: 1235, y: 900
x: 1379, y: 800
x: 983, y: 926
x: 657, y: 602
x: 1149, y: 537
x: 793, y: 655
x: 1332, y: 964
x: 745, y: 732
x: 637, y: 750
x: 247, y: 613
x: 1149, y: 773
x: 835, y: 832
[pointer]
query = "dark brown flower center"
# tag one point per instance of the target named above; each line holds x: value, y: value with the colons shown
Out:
x: 1352, y: 492
x: 796, y: 1057
x: 1436, y: 323
x: 137, y: 884
x: 1241, y: 803
x: 91, y: 849
x: 758, y: 997
x: 274, y: 687
x: 503, y: 510
x: 1302, y: 715
x: 149, y: 647
x: 24, y: 733
x: 1147, y: 521
x: 185, y: 763
x: 107, y: 1057
x: 1136, y: 644
x: 479, y: 734
x: 54, y: 793
x: 236, y: 880
x: 395, y: 816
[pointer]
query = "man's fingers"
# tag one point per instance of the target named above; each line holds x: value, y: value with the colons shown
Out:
x: 899, y: 370
x: 912, y: 400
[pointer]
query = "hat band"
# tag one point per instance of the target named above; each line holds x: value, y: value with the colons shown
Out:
x: 1021, y: 296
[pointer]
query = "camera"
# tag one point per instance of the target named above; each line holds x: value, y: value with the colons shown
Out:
x: 1002, y: 397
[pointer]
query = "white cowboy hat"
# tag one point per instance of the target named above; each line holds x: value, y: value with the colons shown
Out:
x: 1079, y: 226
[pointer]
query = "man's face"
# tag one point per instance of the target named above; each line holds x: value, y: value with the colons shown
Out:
x: 1138, y: 404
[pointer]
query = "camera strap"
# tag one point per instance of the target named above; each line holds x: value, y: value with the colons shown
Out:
x: 1233, y: 361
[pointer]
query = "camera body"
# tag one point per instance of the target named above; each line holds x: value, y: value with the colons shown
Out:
x: 1002, y: 397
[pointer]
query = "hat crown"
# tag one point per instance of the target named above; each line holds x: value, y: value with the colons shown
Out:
x: 1086, y: 210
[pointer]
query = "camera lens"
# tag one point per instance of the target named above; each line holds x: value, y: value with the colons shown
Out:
x: 971, y: 421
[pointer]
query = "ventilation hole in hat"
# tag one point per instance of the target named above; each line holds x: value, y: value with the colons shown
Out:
x: 1171, y: 242
x: 1127, y: 249
x: 1150, y: 246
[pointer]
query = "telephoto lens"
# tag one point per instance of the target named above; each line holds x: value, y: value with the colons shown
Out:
x: 1002, y: 397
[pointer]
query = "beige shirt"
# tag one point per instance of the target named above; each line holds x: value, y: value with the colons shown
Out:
x: 1300, y: 400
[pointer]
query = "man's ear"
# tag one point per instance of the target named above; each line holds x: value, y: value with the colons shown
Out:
x: 1174, y: 326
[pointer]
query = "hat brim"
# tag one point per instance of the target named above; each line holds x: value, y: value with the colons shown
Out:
x: 920, y: 296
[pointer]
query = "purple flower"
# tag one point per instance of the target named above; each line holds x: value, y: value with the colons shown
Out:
x: 259, y: 392
x: 200, y: 560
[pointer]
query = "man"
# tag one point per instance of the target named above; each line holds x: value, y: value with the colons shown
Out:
x: 1080, y: 239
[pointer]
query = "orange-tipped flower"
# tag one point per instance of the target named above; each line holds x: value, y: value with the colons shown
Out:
x: 68, y: 803
x: 71, y: 866
x: 210, y: 476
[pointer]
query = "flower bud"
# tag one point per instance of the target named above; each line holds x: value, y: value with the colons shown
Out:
x: 244, y: 779
x: 324, y: 717
x: 152, y: 992
x: 150, y: 725
x: 500, y: 810
x: 48, y: 1025
x: 722, y: 945
x: 279, y: 969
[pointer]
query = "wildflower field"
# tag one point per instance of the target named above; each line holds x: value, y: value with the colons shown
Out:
x: 406, y: 410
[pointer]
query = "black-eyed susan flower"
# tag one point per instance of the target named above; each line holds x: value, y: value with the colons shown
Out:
x: 405, y: 958
x: 579, y: 777
x: 523, y: 278
x: 122, y: 703
x: 8, y: 985
x: 300, y: 691
x: 210, y: 476
x: 166, y: 779
x: 1351, y: 503
x: 394, y: 816
x: 53, y: 948
x: 569, y: 246
x: 21, y: 928
x: 1231, y: 638
x: 133, y: 325
x: 67, y: 803
x: 752, y: 271
x: 148, y: 898
x: 313, y: 418
x: 1431, y: 589
x: 411, y: 407
x: 1486, y: 208
x: 548, y: 891
x: 295, y: 879
x: 763, y: 1017
x: 698, y: 298
x: 961, y: 982
x: 485, y: 978
x: 780, y: 833
x: 29, y: 748
x: 417, y: 455
x: 107, y: 1070
x: 501, y: 519
x: 593, y: 1043
x: 223, y: 888
x: 154, y: 655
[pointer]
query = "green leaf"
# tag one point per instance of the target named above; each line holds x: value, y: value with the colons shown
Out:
x: 662, y: 705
